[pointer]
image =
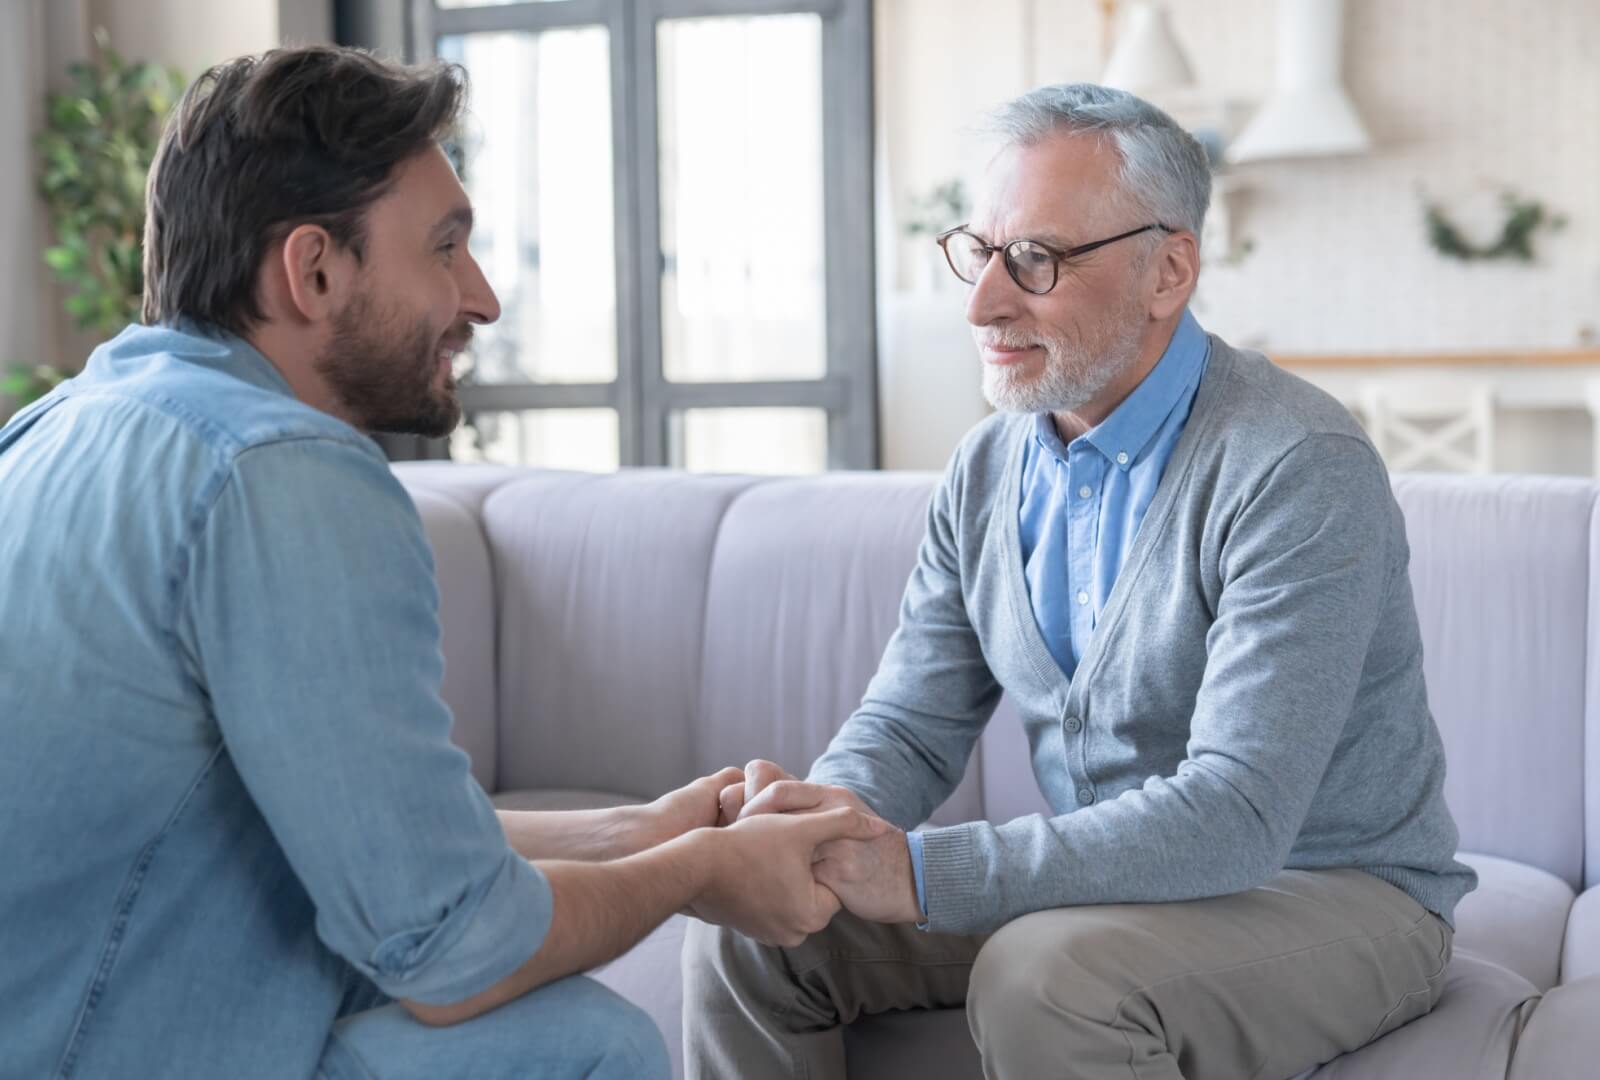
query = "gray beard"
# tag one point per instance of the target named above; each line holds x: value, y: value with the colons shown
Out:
x: 1074, y: 373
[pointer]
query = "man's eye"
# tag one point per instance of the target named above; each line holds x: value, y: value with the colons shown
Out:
x: 448, y: 248
x: 1031, y: 256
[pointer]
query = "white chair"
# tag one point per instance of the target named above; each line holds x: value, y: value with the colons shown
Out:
x: 1591, y: 398
x: 1437, y: 420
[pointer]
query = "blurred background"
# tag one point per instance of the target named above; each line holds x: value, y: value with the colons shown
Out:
x: 710, y: 222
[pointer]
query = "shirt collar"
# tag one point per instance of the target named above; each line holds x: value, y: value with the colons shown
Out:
x: 1123, y: 436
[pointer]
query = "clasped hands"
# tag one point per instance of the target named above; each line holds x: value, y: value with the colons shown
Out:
x: 785, y: 855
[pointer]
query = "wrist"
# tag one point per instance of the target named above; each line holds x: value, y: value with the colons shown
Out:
x: 625, y: 830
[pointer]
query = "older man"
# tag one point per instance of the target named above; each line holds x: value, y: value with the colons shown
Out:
x: 1187, y: 569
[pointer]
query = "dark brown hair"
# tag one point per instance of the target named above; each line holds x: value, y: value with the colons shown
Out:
x: 259, y: 145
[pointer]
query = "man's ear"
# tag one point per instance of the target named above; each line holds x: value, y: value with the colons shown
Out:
x: 317, y: 272
x: 1177, y: 267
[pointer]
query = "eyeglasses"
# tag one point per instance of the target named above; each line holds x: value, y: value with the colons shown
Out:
x: 1035, y: 267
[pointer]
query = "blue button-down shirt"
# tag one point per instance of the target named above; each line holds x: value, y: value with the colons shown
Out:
x: 229, y: 805
x: 1082, y: 503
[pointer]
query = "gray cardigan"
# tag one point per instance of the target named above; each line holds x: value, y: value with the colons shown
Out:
x: 1252, y: 699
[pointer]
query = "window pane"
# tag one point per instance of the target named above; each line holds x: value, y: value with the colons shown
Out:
x: 544, y: 438
x: 741, y: 198
x: 536, y: 161
x: 759, y: 440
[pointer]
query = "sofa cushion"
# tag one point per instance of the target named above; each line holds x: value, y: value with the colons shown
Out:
x: 803, y: 595
x: 1500, y: 571
x: 601, y: 597
x: 1561, y: 1039
x: 1580, y: 953
x: 1516, y: 917
x: 466, y: 626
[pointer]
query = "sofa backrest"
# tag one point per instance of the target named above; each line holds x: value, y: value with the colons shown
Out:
x: 1500, y: 568
x: 651, y: 626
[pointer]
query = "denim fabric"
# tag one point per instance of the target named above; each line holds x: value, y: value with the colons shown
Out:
x: 226, y: 780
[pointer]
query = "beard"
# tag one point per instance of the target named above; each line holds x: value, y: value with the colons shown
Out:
x: 383, y: 368
x: 1076, y: 369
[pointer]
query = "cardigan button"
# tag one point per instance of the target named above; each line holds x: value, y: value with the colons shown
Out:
x: 1074, y: 725
x: 1085, y: 796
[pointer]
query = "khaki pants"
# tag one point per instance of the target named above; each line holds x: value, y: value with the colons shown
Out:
x: 1258, y: 985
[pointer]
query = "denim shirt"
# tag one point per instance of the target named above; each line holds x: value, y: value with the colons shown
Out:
x: 228, y: 800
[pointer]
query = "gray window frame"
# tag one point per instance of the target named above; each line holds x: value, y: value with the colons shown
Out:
x: 645, y: 400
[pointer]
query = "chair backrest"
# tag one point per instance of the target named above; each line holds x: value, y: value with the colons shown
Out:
x: 1436, y: 421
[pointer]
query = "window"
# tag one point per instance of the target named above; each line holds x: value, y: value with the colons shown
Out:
x: 674, y: 204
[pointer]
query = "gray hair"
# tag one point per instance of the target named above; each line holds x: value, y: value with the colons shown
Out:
x: 1165, y: 171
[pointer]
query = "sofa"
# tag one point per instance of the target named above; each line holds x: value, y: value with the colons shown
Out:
x: 610, y: 637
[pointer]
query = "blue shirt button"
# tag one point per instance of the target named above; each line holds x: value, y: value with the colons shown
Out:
x: 1074, y: 725
x: 1085, y: 796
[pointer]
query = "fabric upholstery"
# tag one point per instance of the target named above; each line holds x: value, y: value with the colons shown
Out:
x: 602, y: 595
x: 1500, y: 568
x: 466, y: 626
x: 1580, y: 952
x: 1559, y: 1039
x: 1517, y: 918
x: 804, y: 593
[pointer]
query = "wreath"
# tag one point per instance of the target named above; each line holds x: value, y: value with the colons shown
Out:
x: 1523, y: 218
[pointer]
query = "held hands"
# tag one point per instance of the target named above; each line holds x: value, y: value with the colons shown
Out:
x: 870, y: 875
x: 760, y: 880
x: 693, y: 806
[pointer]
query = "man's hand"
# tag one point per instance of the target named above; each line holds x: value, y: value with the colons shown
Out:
x: 693, y: 806
x: 759, y: 775
x: 760, y: 878
x: 872, y: 878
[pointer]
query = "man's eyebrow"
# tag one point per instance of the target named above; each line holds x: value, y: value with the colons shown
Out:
x: 458, y: 217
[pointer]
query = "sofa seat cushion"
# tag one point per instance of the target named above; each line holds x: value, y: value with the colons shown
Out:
x: 560, y: 799
x: 1516, y: 917
x: 1580, y: 954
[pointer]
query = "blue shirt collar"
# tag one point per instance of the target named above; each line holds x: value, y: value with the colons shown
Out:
x: 187, y: 341
x: 1124, y: 435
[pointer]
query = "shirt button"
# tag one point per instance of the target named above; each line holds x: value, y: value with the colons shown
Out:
x: 1074, y: 725
x: 1085, y: 491
x: 1083, y: 598
x: 1122, y: 459
x: 1085, y: 796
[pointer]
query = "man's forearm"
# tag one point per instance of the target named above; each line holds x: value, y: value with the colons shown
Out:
x: 576, y: 835
x: 600, y: 910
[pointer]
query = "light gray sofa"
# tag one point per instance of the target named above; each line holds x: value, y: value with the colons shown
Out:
x: 611, y: 637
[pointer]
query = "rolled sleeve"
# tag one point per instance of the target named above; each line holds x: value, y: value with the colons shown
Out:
x: 309, y: 615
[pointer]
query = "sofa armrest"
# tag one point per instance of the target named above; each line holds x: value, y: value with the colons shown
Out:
x: 1561, y: 1038
x: 1580, y: 953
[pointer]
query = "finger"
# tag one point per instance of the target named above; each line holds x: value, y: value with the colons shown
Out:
x: 758, y: 774
x: 845, y: 823
x: 723, y: 778
x: 730, y: 802
x: 787, y: 796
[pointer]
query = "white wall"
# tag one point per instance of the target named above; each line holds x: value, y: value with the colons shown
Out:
x: 1461, y: 96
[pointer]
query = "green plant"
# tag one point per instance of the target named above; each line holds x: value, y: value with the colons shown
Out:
x: 97, y: 146
x: 1523, y: 217
x: 26, y: 384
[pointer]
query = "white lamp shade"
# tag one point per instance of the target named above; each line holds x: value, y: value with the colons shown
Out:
x: 1309, y: 114
x: 1147, y: 56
